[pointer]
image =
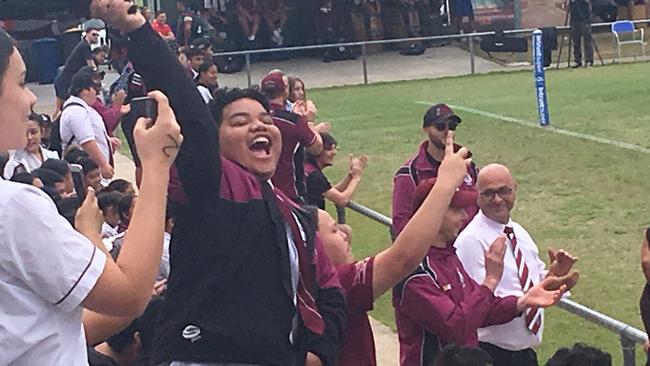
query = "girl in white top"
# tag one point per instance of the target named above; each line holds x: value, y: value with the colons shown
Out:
x: 50, y: 272
x: 31, y: 156
x: 206, y: 80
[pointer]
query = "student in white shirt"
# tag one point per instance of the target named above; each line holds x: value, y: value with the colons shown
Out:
x: 511, y: 343
x: 33, y: 154
x: 206, y: 80
x: 81, y: 124
x: 48, y: 271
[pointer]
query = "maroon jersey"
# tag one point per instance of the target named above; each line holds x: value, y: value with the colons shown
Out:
x: 358, y: 344
x: 295, y: 132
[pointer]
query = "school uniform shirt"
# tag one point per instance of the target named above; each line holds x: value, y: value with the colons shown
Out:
x: 470, y: 246
x: 295, y: 133
x: 46, y: 271
x: 81, y: 124
x: 22, y: 159
x: 419, y: 167
x: 358, y: 342
x: 205, y: 93
x: 439, y: 303
x: 317, y: 184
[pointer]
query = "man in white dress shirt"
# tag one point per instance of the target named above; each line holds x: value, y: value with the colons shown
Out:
x: 511, y: 343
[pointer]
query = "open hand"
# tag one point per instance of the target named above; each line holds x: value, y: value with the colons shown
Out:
x: 569, y: 280
x: 158, y: 142
x: 357, y: 165
x: 453, y: 168
x: 494, y: 262
x: 561, y: 262
x: 323, y: 127
x: 539, y: 296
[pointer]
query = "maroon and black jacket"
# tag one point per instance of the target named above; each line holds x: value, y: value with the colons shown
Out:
x: 229, y: 297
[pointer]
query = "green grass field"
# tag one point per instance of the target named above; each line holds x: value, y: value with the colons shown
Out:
x: 589, y: 198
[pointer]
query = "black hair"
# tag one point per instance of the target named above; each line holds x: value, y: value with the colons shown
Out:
x: 88, y: 165
x: 119, y: 185
x: 192, y: 51
x: 7, y: 46
x: 125, y: 206
x: 580, y: 355
x: 454, y: 355
x: 206, y: 66
x: 85, y: 78
x: 35, y: 117
x: 328, y: 142
x: 160, y: 12
x: 48, y: 177
x: 109, y: 199
x: 170, y: 212
x: 100, y: 49
x: 75, y: 154
x: 57, y: 165
x: 227, y: 96
x: 23, y: 177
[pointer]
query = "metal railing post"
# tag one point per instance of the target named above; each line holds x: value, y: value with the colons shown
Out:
x: 340, y: 214
x: 364, y: 61
x: 248, y: 69
x: 629, y: 351
x: 472, y: 65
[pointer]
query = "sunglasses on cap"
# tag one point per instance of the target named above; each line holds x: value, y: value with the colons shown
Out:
x: 451, y: 124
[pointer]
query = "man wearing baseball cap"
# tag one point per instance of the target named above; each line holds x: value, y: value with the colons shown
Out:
x: 296, y: 134
x: 436, y: 123
x: 440, y: 304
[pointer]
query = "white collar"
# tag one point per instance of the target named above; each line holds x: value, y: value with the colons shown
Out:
x: 492, y: 223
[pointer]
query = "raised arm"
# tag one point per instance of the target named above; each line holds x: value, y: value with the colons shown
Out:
x: 406, y: 253
x: 161, y: 70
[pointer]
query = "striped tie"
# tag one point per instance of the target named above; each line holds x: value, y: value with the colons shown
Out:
x: 533, y: 314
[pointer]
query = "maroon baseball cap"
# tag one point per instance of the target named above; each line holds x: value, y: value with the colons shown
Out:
x: 273, y: 82
x: 439, y: 113
x: 464, y: 196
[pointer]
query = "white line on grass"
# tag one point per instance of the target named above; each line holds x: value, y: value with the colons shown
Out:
x: 560, y: 131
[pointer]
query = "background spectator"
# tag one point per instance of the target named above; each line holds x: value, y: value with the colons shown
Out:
x: 319, y: 187
x: 454, y: 355
x: 80, y: 56
x: 100, y: 53
x: 109, y: 203
x: 195, y: 58
x: 161, y: 27
x: 297, y: 90
x: 147, y: 14
x: 578, y: 355
x: 274, y: 14
x: 33, y: 155
x: 83, y: 125
x: 121, y: 185
x: 248, y: 15
x: 61, y: 167
x: 206, y: 80
x: 74, y: 154
x: 127, y: 204
x: 92, y: 176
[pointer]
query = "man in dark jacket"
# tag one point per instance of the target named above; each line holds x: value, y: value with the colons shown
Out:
x: 248, y: 283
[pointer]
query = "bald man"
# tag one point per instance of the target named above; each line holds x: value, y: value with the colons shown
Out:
x: 511, y: 343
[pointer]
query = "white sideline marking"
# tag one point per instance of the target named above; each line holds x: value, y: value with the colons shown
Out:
x: 560, y: 131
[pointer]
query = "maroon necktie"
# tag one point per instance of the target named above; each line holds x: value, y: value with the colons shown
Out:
x: 533, y: 314
x: 306, y: 304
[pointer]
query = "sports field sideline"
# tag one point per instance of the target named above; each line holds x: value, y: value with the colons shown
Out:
x: 582, y: 183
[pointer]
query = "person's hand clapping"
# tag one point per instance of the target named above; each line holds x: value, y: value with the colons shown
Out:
x: 494, y: 262
x: 560, y: 261
x: 453, y: 168
x: 158, y: 142
x: 357, y: 165
x: 538, y: 295
x: 116, y: 14
x: 323, y: 127
x: 88, y: 219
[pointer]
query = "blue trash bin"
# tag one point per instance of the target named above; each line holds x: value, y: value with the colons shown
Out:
x: 46, y: 56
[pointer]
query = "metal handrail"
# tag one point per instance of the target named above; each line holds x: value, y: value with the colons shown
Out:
x: 629, y: 336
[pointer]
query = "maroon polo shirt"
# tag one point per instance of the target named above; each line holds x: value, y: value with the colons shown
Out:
x: 358, y: 343
x: 295, y: 132
x: 419, y: 167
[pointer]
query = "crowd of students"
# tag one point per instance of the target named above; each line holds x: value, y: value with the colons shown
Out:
x: 226, y: 256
